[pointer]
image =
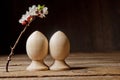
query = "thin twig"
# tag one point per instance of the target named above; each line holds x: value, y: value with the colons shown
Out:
x: 12, y: 48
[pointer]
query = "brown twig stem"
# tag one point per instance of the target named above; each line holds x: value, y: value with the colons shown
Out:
x: 14, y: 46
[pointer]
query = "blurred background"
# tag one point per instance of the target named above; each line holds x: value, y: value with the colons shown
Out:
x: 91, y: 25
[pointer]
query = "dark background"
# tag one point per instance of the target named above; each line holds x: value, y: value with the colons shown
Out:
x: 91, y: 25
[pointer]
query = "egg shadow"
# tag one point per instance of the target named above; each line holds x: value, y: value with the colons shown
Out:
x: 78, y: 68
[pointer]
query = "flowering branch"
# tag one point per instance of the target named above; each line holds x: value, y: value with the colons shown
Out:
x: 12, y: 48
x: 26, y: 19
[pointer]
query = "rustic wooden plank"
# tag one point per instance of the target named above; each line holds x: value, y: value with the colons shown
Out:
x: 67, y: 78
x: 87, y: 66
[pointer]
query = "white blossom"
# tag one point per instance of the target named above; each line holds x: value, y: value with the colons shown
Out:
x: 24, y: 17
x: 33, y: 11
x: 45, y: 10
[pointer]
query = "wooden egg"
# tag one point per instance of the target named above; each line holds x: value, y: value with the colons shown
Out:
x: 59, y: 50
x: 37, y: 50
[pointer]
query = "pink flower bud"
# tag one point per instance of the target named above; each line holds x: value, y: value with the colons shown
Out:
x: 24, y: 23
x: 29, y: 18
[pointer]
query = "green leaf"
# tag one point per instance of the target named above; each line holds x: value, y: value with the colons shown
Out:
x: 40, y: 7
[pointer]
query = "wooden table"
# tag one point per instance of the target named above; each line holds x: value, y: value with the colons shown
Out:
x: 84, y: 66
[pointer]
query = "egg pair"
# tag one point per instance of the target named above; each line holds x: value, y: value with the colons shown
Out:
x: 37, y: 49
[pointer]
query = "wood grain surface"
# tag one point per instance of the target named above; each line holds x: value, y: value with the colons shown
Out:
x: 84, y: 66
